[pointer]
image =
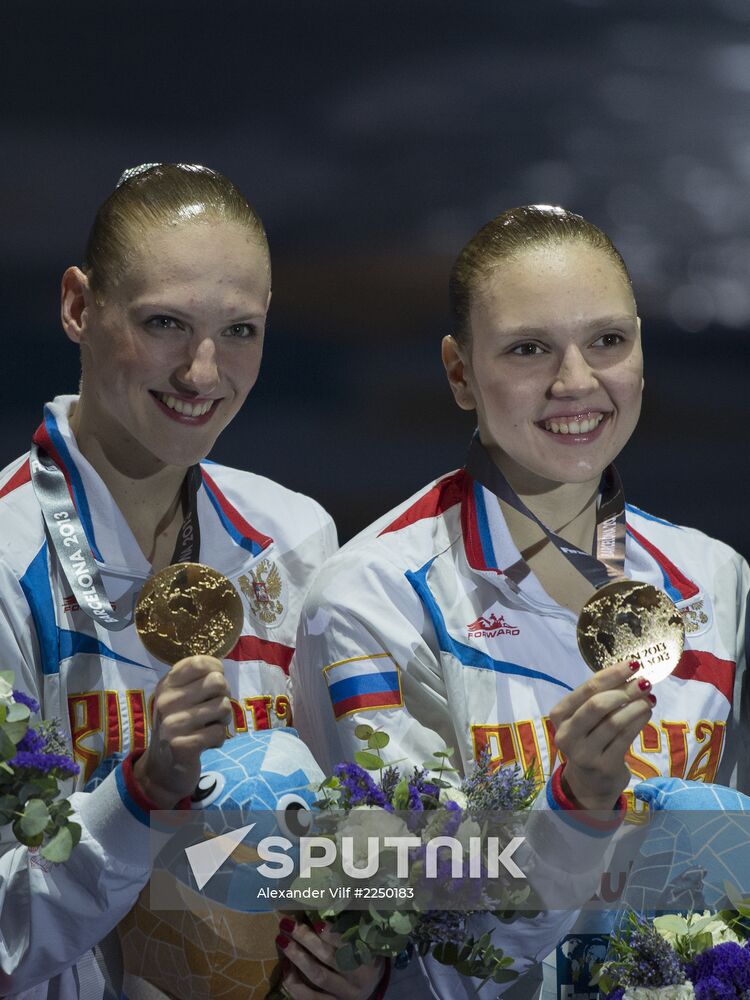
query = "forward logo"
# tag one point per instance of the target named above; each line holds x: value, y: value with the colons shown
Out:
x: 488, y: 626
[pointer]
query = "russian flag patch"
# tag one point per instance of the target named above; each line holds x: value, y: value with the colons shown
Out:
x: 363, y: 683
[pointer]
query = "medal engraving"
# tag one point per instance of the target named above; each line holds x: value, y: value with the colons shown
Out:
x: 627, y: 620
x: 188, y: 609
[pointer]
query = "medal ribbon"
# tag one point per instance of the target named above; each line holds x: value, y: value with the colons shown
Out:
x: 68, y: 538
x: 608, y: 563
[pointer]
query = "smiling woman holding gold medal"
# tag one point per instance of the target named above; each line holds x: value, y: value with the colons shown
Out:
x: 457, y: 620
x: 169, y: 310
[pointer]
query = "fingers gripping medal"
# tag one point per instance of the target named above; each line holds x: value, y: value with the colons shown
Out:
x: 627, y: 620
x: 188, y: 609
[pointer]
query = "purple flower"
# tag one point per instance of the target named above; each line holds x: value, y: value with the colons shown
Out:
x: 31, y: 742
x: 725, y: 966
x: 615, y: 994
x: 359, y: 788
x: 712, y: 988
x: 25, y: 699
x: 45, y: 763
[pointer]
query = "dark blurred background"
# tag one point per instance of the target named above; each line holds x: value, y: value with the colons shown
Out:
x: 374, y: 139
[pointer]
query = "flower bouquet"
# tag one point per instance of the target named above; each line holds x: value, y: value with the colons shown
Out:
x: 32, y: 762
x: 673, y: 957
x: 420, y: 801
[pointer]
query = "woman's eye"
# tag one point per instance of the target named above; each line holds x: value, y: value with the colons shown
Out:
x: 527, y: 350
x: 241, y: 330
x: 163, y: 323
x: 608, y: 340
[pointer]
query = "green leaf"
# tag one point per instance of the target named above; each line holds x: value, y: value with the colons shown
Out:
x: 18, y: 713
x: 75, y: 832
x: 446, y: 953
x: 402, y: 923
x: 35, y: 818
x: 346, y: 958
x: 444, y: 753
x: 369, y: 761
x: 8, y: 806
x: 504, y: 976
x: 39, y: 788
x: 437, y: 765
x: 401, y: 795
x: 59, y: 848
x: 15, y: 731
x: 363, y: 732
x: 378, y: 740
x: 24, y: 838
x: 7, y: 746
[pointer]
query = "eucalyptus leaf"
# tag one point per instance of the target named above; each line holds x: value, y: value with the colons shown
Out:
x: 15, y: 731
x: 369, y: 761
x: 35, y: 818
x: 378, y: 741
x: 60, y: 846
x: 363, y: 731
x: 402, y: 923
x: 17, y: 713
x: 8, y: 806
x: 504, y: 976
x: 346, y: 958
x: 24, y: 838
x: 7, y: 745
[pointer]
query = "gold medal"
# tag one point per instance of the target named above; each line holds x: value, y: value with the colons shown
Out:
x: 627, y: 620
x: 188, y: 609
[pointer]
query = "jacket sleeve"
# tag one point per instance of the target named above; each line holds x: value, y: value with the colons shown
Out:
x: 734, y: 769
x: 50, y: 914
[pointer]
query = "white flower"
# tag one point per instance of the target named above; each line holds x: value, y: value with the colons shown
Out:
x: 684, y: 992
x: 720, y: 932
x: 454, y: 795
x: 364, y: 822
x: 672, y: 926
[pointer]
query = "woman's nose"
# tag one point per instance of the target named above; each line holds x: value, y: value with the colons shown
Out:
x: 575, y: 377
x: 202, y: 371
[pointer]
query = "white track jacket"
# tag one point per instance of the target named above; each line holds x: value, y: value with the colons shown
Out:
x: 414, y: 629
x: 269, y: 541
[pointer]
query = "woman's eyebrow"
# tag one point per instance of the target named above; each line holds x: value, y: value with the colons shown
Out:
x: 593, y: 324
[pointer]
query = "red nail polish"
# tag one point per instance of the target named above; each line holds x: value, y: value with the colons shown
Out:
x: 282, y: 941
x: 634, y: 665
x: 652, y: 699
x: 287, y: 925
x: 319, y: 926
x: 644, y: 684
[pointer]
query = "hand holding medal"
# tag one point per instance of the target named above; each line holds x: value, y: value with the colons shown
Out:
x: 188, y: 615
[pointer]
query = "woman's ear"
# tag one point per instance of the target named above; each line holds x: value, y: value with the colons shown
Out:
x: 458, y: 369
x: 75, y: 298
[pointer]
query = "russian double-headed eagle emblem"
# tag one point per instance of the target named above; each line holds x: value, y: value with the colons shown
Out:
x: 263, y: 588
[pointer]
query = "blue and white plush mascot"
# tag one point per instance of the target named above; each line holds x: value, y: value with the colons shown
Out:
x: 184, y: 941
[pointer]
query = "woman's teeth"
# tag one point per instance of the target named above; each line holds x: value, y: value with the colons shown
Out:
x: 182, y: 406
x: 584, y: 426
